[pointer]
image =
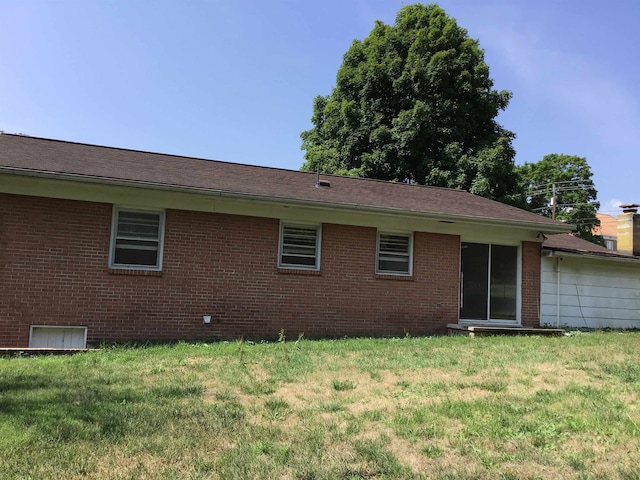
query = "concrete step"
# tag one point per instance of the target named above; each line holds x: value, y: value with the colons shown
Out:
x: 484, y: 330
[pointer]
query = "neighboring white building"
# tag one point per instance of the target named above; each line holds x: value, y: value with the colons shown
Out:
x: 587, y: 286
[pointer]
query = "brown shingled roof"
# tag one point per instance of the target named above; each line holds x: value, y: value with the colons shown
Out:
x: 30, y: 155
x: 567, y: 242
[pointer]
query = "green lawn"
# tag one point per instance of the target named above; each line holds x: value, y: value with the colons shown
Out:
x: 442, y: 407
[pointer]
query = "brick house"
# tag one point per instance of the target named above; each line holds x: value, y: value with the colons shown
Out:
x: 106, y: 244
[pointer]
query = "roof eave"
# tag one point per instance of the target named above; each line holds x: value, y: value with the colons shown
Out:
x: 557, y: 252
x: 542, y: 227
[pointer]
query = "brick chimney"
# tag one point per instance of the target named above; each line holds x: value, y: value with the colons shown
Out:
x: 629, y: 230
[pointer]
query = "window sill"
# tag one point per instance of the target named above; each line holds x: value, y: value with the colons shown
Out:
x: 298, y: 271
x: 388, y: 276
x: 134, y: 271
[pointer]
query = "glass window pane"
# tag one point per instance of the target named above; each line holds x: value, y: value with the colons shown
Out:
x: 137, y: 238
x: 394, y: 255
x: 136, y: 245
x: 394, y: 243
x: 474, y: 281
x: 299, y: 246
x: 393, y: 266
x: 504, y: 284
x: 301, y: 250
x: 301, y: 261
x: 125, y: 256
x: 138, y: 225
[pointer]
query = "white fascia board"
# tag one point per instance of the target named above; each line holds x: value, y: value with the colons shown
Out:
x: 547, y: 252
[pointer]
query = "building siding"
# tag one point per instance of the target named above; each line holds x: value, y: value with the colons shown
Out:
x: 598, y: 293
x: 54, y: 271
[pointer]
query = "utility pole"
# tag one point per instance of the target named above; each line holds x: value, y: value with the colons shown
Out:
x: 554, y: 201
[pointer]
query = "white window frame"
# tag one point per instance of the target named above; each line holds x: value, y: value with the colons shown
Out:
x: 281, y: 253
x: 610, y: 242
x: 410, y: 253
x: 114, y: 231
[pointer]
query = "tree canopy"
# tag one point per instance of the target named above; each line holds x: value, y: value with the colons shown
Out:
x: 414, y: 102
x: 569, y: 176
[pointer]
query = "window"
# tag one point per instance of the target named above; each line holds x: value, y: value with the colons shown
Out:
x: 394, y: 254
x: 299, y: 246
x: 488, y: 282
x: 136, y: 239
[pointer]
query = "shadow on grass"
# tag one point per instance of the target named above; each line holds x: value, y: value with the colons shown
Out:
x: 76, y: 404
x: 63, y: 409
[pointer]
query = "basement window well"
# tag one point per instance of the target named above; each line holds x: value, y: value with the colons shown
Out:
x: 49, y: 336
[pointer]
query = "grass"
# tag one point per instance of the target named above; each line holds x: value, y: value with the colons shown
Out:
x: 442, y: 407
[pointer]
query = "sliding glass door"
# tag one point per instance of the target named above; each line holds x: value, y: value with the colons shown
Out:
x: 488, y: 282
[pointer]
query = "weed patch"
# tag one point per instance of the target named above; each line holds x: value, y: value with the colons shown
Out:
x: 342, y: 385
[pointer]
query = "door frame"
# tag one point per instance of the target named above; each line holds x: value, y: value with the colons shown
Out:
x: 489, y: 321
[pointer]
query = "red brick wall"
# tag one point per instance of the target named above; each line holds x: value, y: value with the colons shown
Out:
x: 53, y: 270
x: 531, y: 252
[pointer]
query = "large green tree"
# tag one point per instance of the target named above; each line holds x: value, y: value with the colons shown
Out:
x: 414, y: 102
x: 560, y: 186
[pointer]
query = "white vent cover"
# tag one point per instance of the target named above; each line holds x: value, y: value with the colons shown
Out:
x: 53, y: 336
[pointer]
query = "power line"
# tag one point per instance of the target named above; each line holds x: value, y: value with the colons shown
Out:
x: 558, y: 189
x: 577, y: 184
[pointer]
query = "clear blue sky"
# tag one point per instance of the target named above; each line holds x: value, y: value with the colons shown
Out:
x: 234, y: 79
